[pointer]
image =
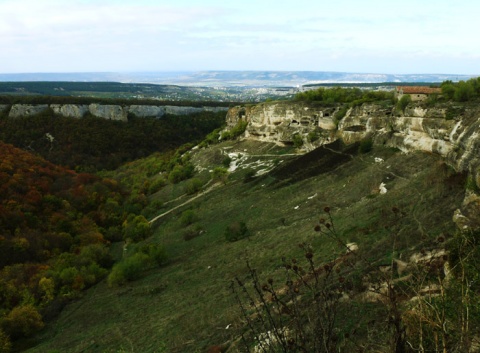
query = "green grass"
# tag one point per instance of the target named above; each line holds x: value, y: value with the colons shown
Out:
x: 185, y: 306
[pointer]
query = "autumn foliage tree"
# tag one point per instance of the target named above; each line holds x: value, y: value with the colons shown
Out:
x: 53, y: 226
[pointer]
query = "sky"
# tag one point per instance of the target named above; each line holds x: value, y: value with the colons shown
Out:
x: 369, y: 36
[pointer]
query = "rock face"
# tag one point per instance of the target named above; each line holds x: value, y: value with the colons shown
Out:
x: 19, y: 110
x: 105, y: 111
x: 279, y: 122
x: 456, y: 137
x: 111, y: 112
x: 144, y: 111
x: 70, y: 110
x: 418, y: 129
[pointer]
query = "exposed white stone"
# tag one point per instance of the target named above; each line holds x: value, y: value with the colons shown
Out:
x: 111, y: 112
x: 70, y: 110
x: 20, y: 110
x: 144, y: 111
x: 382, y: 189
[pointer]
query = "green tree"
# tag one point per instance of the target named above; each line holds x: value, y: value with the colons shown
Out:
x: 404, y: 102
x: 23, y: 321
x: 448, y: 89
x: 220, y: 174
x: 464, y: 91
x: 129, y: 269
x: 136, y: 228
x: 297, y: 140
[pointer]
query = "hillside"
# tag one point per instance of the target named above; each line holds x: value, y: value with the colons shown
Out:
x: 187, y: 306
x: 311, y: 226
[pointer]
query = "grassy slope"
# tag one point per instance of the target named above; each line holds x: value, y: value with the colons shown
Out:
x: 185, y: 306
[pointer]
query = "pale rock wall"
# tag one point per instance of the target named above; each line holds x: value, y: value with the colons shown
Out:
x: 19, y: 110
x: 111, y: 112
x: 105, y: 111
x: 70, y: 110
x: 144, y: 111
x: 177, y: 110
x: 277, y: 122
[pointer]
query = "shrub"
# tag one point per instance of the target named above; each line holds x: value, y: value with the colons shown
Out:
x: 220, y: 174
x: 236, y: 230
x: 249, y: 175
x: 156, y: 252
x: 193, y: 185
x: 128, y: 269
x: 181, y: 172
x: 340, y: 114
x: 226, y: 161
x: 191, y: 233
x: 297, y: 140
x: 156, y: 185
x: 313, y: 136
x: 404, y: 102
x: 136, y: 228
x: 188, y: 217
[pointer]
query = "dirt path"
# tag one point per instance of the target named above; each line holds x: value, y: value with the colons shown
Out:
x: 214, y: 186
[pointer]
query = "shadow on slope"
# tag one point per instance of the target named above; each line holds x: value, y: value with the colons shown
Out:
x: 319, y: 161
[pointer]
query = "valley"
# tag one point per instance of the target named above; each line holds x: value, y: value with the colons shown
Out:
x: 266, y: 200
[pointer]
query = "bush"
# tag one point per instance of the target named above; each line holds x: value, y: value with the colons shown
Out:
x: 297, y: 140
x: 340, y: 114
x: 129, y: 269
x: 236, y: 231
x: 226, y: 162
x: 220, y: 174
x: 193, y: 185
x: 313, y: 136
x: 249, y: 175
x: 404, y: 102
x: 156, y: 185
x: 192, y: 233
x: 188, y: 217
x: 136, y: 228
x: 156, y: 252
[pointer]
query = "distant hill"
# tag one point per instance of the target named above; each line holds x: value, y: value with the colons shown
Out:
x: 234, y: 78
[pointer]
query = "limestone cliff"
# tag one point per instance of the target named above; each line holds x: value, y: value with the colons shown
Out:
x: 105, y: 111
x: 454, y: 136
x: 279, y: 122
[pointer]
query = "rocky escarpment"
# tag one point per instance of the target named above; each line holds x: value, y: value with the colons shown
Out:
x: 279, y: 122
x: 450, y: 131
x: 105, y: 111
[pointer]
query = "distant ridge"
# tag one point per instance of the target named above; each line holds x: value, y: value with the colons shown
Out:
x: 233, y: 78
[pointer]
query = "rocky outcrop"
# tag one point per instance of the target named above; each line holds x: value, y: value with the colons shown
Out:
x: 70, y: 110
x: 426, y: 129
x: 144, y: 111
x: 18, y: 110
x: 111, y: 112
x: 105, y: 111
x: 456, y: 137
x: 279, y: 122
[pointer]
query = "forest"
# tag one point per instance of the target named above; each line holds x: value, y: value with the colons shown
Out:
x: 58, y: 217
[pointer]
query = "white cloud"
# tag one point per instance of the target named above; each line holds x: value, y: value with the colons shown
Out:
x: 347, y: 35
